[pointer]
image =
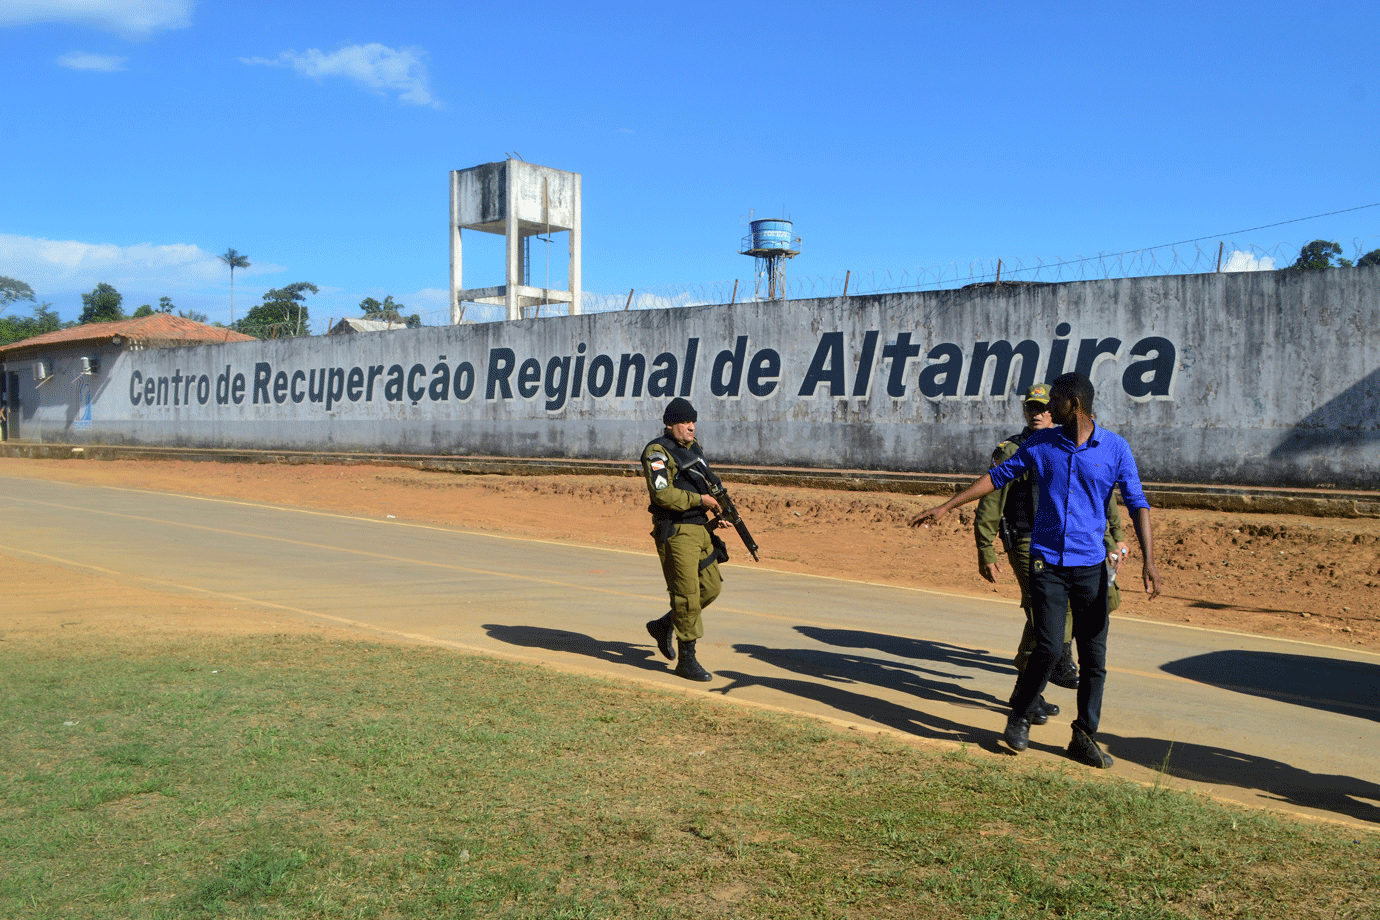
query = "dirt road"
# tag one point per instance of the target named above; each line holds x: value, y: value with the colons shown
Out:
x: 1295, y: 577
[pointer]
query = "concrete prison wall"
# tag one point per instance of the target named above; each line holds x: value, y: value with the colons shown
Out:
x: 1265, y: 378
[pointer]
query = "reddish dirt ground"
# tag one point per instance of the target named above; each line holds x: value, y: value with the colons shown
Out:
x: 1298, y: 577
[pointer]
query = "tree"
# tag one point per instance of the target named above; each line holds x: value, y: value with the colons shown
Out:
x: 281, y: 314
x: 12, y: 290
x: 234, y: 260
x: 194, y: 316
x: 1318, y: 255
x: 388, y: 312
x: 44, y: 319
x: 101, y: 306
x: 1370, y: 258
x: 165, y: 305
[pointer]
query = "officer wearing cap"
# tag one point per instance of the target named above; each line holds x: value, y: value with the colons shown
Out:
x: 1009, y: 513
x: 688, y: 550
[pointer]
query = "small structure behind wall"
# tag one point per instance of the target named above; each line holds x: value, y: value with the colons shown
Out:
x: 518, y: 200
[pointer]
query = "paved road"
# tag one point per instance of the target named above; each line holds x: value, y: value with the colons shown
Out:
x: 1261, y: 721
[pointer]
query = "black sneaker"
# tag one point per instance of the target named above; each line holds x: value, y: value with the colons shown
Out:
x: 1085, y: 750
x: 1017, y: 733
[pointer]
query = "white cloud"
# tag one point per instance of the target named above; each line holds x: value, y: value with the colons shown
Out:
x: 59, y: 271
x: 130, y: 18
x: 1240, y: 261
x: 50, y: 265
x: 374, y: 66
x: 85, y: 60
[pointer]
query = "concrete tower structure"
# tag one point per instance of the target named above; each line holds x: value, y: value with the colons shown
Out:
x: 517, y: 200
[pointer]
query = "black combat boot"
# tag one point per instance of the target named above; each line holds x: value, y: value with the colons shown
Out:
x: 661, y: 630
x: 1083, y: 748
x: 1065, y: 671
x: 1017, y: 733
x: 687, y: 666
x: 1039, y: 713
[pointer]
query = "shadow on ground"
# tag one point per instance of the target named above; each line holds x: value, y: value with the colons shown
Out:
x: 824, y: 674
x: 1350, y: 688
x: 932, y: 672
x: 1344, y: 796
x: 563, y: 640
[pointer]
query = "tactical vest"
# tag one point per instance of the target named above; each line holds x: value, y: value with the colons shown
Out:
x: 1018, y: 512
x: 683, y: 457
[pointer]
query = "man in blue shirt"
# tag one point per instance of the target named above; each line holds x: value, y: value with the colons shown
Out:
x: 1076, y: 465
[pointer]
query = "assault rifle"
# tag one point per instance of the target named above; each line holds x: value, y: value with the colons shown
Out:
x: 727, y: 510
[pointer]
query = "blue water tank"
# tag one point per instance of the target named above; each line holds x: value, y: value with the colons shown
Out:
x: 771, y: 235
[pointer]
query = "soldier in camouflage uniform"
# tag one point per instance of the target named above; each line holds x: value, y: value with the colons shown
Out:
x: 688, y: 550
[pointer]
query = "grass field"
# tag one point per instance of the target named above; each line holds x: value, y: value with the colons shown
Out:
x: 287, y: 777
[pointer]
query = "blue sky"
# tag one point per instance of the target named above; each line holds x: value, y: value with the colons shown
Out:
x: 904, y: 140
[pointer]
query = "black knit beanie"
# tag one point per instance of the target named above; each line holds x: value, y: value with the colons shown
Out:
x: 679, y: 410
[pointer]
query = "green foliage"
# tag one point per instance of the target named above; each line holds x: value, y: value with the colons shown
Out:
x: 165, y: 305
x: 44, y: 319
x: 388, y: 312
x: 12, y: 289
x: 1369, y: 259
x: 234, y: 260
x: 287, y: 777
x: 1319, y: 255
x: 194, y: 315
x: 102, y: 305
x: 283, y: 313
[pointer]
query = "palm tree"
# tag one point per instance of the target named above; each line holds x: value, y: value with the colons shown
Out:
x: 234, y: 260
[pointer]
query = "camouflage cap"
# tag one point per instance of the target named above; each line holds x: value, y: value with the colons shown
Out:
x: 1039, y: 393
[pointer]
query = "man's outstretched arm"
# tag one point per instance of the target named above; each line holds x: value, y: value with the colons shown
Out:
x: 975, y: 491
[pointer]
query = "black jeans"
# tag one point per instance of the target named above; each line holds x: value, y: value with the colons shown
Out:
x: 1054, y: 589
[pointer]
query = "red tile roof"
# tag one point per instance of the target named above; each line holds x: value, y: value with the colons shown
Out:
x: 161, y: 330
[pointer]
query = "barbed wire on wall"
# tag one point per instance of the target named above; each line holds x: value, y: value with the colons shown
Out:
x: 1184, y: 258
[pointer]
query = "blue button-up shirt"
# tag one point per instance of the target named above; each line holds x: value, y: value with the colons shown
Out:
x: 1074, y: 485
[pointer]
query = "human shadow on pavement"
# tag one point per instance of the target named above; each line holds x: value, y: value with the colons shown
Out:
x: 563, y: 640
x: 944, y: 686
x: 867, y: 709
x: 906, y: 647
x: 1346, y: 796
x: 1337, y: 685
x: 827, y: 673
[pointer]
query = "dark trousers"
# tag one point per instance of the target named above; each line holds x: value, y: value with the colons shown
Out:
x: 1054, y: 591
